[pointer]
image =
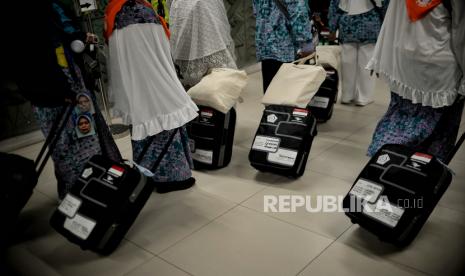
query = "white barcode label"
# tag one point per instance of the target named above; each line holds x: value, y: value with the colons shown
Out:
x: 267, y: 144
x: 80, y: 226
x: 384, y: 212
x: 283, y: 157
x: 366, y: 190
x: 203, y: 156
x: 320, y: 102
x: 70, y: 205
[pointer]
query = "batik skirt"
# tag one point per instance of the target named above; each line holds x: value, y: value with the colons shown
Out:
x: 427, y: 129
x: 175, y: 166
x: 75, y: 147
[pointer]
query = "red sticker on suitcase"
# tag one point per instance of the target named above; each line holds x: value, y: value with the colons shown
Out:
x: 300, y: 112
x: 422, y: 157
x: 206, y: 113
x: 116, y: 171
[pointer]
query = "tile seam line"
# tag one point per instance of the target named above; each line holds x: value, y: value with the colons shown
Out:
x: 157, y: 257
x: 195, y: 231
x: 292, y: 224
x: 321, y: 253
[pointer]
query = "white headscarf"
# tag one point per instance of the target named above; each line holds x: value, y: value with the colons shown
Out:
x: 353, y: 7
x: 199, y: 28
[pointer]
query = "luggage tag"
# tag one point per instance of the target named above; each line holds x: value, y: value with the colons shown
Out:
x: 70, y: 205
x: 367, y: 191
x: 84, y: 104
x: 80, y: 226
x: 266, y: 143
x: 321, y: 102
x: 84, y: 125
x: 384, y: 211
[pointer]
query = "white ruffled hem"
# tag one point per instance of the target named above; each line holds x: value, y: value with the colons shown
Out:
x: 159, y: 123
x: 435, y: 99
x: 462, y: 86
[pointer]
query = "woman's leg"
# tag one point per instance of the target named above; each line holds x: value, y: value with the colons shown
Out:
x: 365, y: 83
x: 70, y: 153
x: 406, y: 124
x: 174, y: 171
x: 269, y: 69
x: 349, y: 71
x: 442, y: 141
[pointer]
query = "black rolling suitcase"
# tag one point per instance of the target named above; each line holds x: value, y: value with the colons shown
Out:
x: 322, y: 104
x: 104, y: 203
x: 397, y: 191
x: 283, y: 140
x: 211, y: 137
x: 20, y: 176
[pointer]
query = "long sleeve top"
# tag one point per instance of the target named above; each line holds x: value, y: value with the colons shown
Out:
x: 275, y: 37
x: 359, y: 28
x: 423, y: 61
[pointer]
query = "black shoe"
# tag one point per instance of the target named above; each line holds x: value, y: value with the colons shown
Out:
x: 166, y: 187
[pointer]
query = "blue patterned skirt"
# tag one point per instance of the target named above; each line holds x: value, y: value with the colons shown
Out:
x: 72, y: 152
x: 73, y: 149
x: 176, y: 164
x: 427, y: 129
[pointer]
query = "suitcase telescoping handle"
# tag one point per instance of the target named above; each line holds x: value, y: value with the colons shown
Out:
x: 455, y: 149
x: 52, y: 138
x: 459, y: 143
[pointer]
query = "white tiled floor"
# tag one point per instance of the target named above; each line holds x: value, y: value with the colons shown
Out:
x: 219, y: 227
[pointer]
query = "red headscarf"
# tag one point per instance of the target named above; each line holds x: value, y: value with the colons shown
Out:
x: 112, y: 9
x: 417, y: 9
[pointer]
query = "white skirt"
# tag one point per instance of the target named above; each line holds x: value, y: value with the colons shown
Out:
x: 416, y: 59
x: 143, y: 87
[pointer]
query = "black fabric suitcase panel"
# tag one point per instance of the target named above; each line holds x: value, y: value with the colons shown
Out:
x: 401, y: 187
x: 19, y: 179
x: 283, y: 140
x: 322, y: 104
x: 101, y: 207
x: 211, y: 137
